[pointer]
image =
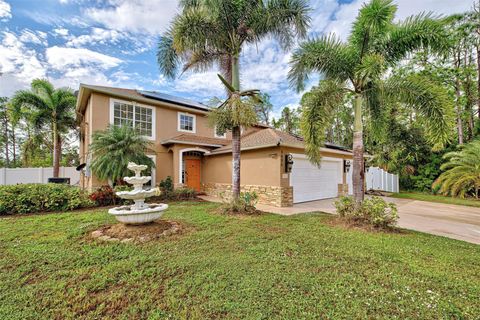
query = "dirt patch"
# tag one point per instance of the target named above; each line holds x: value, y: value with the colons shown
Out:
x: 143, y: 233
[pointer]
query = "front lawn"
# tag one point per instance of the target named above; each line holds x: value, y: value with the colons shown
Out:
x: 258, y: 267
x: 436, y: 198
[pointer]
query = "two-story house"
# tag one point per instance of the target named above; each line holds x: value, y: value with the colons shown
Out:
x: 196, y: 155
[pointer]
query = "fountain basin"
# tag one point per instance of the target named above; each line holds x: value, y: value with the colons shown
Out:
x: 137, y: 180
x: 137, y: 194
x: 130, y: 215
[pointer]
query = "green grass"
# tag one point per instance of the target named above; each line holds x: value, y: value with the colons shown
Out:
x: 436, y: 198
x: 259, y: 267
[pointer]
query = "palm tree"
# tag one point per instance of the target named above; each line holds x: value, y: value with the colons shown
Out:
x: 359, y: 66
x: 114, y: 148
x: 462, y: 171
x: 209, y: 33
x: 48, y: 107
x: 236, y: 111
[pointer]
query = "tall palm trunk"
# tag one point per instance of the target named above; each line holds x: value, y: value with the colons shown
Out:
x: 56, y: 151
x: 478, y: 78
x: 236, y: 132
x: 459, y: 112
x: 358, y: 174
x: 7, y: 153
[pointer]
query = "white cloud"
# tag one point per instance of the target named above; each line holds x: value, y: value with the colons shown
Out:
x: 60, y: 58
x: 97, y: 36
x: 18, y: 64
x: 61, y: 32
x: 5, y: 11
x: 152, y: 16
x: 36, y: 37
x: 205, y: 85
x: 346, y: 13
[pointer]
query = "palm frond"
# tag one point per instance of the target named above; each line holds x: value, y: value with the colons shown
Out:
x: 422, y: 31
x: 318, y: 108
x: 430, y: 100
x: 461, y: 172
x: 285, y: 20
x: 373, y: 21
x: 167, y: 57
x: 326, y: 55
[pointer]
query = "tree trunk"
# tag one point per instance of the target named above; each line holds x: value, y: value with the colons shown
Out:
x: 7, y: 153
x: 459, y: 112
x: 56, y: 151
x: 358, y: 174
x: 236, y: 133
x: 14, y: 144
x: 478, y: 79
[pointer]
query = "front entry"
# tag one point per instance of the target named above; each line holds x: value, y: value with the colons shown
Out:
x: 192, y: 170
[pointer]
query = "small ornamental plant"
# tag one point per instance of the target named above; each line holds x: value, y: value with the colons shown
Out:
x: 373, y: 211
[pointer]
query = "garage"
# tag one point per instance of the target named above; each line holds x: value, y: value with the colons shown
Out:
x: 310, y: 182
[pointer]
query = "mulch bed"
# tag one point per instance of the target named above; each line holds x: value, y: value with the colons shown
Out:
x: 139, y: 234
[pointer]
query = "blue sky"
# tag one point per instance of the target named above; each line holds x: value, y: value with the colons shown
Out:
x: 112, y: 42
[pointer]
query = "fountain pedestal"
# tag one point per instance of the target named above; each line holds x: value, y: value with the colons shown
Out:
x: 140, y: 212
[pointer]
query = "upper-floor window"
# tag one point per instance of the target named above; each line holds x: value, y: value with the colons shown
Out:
x: 219, y: 133
x: 186, y: 122
x: 136, y: 116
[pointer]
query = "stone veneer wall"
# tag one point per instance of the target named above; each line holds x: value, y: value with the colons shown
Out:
x: 342, y: 189
x: 269, y: 195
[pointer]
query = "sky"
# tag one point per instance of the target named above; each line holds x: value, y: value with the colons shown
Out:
x: 113, y: 43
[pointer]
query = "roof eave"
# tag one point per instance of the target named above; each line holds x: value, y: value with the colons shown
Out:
x: 167, y: 142
x: 86, y: 88
x: 288, y: 145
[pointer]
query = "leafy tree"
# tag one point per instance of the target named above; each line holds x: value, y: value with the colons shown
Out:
x: 289, y: 121
x: 49, y: 108
x: 462, y: 171
x: 208, y: 33
x: 359, y: 66
x: 112, y: 149
x: 263, y: 108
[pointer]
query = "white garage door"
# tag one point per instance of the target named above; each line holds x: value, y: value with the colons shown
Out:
x: 310, y: 182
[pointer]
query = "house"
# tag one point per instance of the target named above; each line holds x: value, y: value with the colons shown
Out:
x: 184, y: 147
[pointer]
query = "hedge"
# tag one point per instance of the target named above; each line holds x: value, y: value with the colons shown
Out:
x: 33, y: 197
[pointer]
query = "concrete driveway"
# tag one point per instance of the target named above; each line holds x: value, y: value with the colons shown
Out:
x: 457, y: 222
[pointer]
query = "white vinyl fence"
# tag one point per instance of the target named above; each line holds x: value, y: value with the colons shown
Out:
x: 10, y: 176
x: 379, y: 179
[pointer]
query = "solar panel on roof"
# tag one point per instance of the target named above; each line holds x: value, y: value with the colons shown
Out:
x: 170, y: 98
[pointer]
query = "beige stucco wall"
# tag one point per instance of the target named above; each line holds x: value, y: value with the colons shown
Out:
x: 97, y: 117
x: 258, y: 167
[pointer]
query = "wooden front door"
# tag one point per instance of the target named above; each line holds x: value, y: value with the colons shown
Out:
x: 192, y: 171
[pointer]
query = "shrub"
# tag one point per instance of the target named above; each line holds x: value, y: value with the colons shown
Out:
x: 180, y: 194
x: 245, y: 204
x: 104, y: 196
x: 31, y: 198
x: 374, y: 211
x: 166, y: 185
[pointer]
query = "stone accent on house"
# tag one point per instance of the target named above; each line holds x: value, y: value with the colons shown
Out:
x: 269, y: 195
x: 342, y: 189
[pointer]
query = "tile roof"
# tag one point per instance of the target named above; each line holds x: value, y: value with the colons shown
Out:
x: 270, y: 137
x: 194, y: 139
x: 264, y: 138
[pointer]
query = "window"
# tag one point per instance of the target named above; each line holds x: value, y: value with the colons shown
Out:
x: 219, y: 134
x: 135, y: 116
x: 186, y: 122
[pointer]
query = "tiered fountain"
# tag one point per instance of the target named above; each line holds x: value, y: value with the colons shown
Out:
x: 139, y: 212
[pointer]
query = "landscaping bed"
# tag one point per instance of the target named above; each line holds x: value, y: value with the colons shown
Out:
x: 232, y: 267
